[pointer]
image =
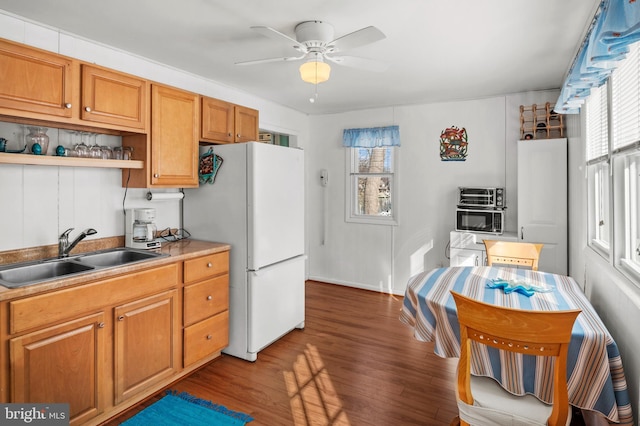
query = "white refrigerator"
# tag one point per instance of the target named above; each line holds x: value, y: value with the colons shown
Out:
x: 256, y: 204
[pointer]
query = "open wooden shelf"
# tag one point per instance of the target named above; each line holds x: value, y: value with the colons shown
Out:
x: 50, y: 160
x: 540, y: 122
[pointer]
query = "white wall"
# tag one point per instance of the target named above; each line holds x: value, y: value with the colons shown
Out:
x: 379, y: 257
x: 39, y: 203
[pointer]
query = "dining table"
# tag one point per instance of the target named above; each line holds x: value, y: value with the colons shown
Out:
x: 595, y: 375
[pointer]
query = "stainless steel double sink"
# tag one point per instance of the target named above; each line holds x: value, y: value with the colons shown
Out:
x: 28, y: 273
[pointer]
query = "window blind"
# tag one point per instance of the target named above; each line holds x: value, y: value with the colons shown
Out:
x: 597, y: 127
x: 625, y: 100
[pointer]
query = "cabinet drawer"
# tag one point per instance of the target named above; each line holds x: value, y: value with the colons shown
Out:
x: 205, y: 299
x: 206, y: 267
x: 50, y: 308
x: 206, y: 337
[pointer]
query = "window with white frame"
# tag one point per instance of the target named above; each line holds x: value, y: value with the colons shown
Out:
x: 598, y: 169
x: 613, y: 166
x: 371, y: 192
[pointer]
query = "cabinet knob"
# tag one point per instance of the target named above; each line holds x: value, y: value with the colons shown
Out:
x: 209, y: 337
x: 156, y: 175
x: 88, y: 109
x: 121, y: 318
x: 100, y: 325
x: 67, y: 105
x: 209, y: 297
x: 229, y: 134
x: 238, y: 135
x: 209, y: 265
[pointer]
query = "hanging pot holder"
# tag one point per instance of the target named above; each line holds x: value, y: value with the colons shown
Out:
x: 209, y: 165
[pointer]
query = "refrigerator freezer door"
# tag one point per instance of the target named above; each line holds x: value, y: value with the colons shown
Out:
x: 275, y: 201
x: 276, y: 302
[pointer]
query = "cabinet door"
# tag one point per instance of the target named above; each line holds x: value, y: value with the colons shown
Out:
x: 217, y: 123
x: 113, y: 98
x: 175, y: 115
x: 146, y: 350
x: 246, y: 124
x: 542, y: 200
x: 62, y: 364
x: 35, y: 81
x: 467, y: 257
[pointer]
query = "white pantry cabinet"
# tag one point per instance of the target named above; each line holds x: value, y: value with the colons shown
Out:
x: 542, y: 200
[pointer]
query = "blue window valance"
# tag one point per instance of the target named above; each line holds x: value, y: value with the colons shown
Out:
x: 616, y: 25
x: 371, y: 137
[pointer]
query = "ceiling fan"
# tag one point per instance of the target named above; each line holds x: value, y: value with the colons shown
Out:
x: 315, y: 42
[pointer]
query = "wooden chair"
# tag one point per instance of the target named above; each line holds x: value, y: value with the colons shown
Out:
x: 513, y: 253
x: 481, y: 400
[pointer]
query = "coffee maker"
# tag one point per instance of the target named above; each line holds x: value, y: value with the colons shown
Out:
x: 140, y: 229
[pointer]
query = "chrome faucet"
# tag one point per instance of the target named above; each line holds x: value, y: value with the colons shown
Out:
x: 64, y: 247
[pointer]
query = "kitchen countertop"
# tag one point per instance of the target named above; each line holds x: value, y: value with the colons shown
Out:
x: 178, y: 251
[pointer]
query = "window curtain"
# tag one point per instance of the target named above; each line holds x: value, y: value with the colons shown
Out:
x: 372, y: 137
x: 615, y: 26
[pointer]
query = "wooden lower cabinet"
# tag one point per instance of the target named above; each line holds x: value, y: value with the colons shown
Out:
x: 63, y: 364
x: 206, y: 306
x: 147, y: 344
x: 106, y: 345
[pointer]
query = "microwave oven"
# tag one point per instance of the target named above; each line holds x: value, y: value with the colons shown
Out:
x: 480, y: 220
x: 481, y: 198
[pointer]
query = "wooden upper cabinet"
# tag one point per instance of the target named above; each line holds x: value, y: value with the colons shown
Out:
x: 224, y: 122
x: 175, y: 116
x: 41, y: 85
x: 217, y: 121
x: 246, y: 124
x: 112, y: 97
x: 35, y: 83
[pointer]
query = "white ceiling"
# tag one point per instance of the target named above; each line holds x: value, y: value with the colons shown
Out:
x: 438, y: 50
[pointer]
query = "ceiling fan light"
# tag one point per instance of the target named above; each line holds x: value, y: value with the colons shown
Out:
x: 315, y: 72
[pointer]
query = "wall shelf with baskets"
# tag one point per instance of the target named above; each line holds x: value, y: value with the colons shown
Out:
x: 540, y: 122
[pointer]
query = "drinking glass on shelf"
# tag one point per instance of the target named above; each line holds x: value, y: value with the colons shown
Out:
x: 117, y: 153
x: 127, y: 153
x: 106, y: 152
x: 95, y: 151
x: 81, y: 150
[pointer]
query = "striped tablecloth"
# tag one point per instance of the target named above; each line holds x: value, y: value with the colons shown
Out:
x: 595, y: 376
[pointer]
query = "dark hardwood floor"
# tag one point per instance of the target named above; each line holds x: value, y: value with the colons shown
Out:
x: 354, y: 364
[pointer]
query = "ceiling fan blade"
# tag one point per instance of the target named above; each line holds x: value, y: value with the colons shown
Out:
x: 265, y: 61
x: 280, y: 37
x: 358, y: 38
x: 361, y: 63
